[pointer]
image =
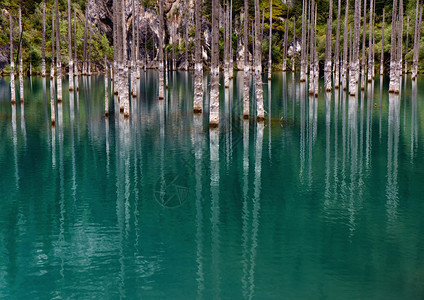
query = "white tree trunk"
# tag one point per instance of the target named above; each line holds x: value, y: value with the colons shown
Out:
x: 393, y: 52
x: 106, y: 90
x: 364, y: 30
x: 328, y: 44
x: 382, y: 47
x: 71, y: 62
x: 58, y: 58
x: 198, y: 67
x: 214, y: 93
x: 354, y: 68
x: 417, y: 37
x: 21, y: 63
x: 245, y: 61
x: 12, y: 63
x: 260, y: 114
x: 304, y: 45
x: 226, y: 46
x: 231, y: 60
x: 270, y: 41
x: 343, y: 71
x: 75, y: 51
x: 43, y: 55
x: 161, y: 41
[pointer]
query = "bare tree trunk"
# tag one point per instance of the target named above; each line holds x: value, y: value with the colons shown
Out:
x: 12, y: 63
x: 294, y: 45
x: 161, y: 41
x: 231, y: 60
x: 393, y: 51
x: 214, y: 93
x: 337, y: 49
x: 21, y: 63
x: 71, y: 62
x: 328, y: 44
x: 52, y: 90
x: 53, y: 48
x: 58, y: 59
x: 373, y: 44
x: 316, y: 60
x: 84, y: 59
x: 370, y: 43
x: 354, y: 68
x: 75, y: 51
x: 406, y: 45
x: 174, y: 65
x: 364, y: 31
x: 106, y: 90
x: 260, y: 114
x: 245, y: 61
x: 399, y: 49
x: 286, y: 36
x: 43, y: 50
x: 89, y: 50
x: 133, y: 56
x: 304, y: 44
x: 124, y: 95
x: 198, y: 67
x: 382, y: 47
x: 253, y: 46
x: 270, y: 41
x: 137, y: 44
x: 417, y: 37
x: 186, y: 36
x: 343, y: 72
x: 312, y: 51
x: 226, y: 47
x: 116, y: 47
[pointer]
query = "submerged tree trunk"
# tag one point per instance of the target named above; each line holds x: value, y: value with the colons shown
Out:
x: 161, y: 42
x: 245, y: 61
x: 354, y: 68
x: 382, y: 47
x: 364, y: 31
x: 214, y: 93
x: 12, y: 63
x: 21, y: 63
x: 71, y: 62
x: 417, y: 37
x: 58, y: 59
x: 393, y: 52
x: 260, y: 115
x: 198, y: 67
x: 337, y: 49
x: 328, y: 44
x: 270, y: 41
x: 304, y: 45
x: 343, y: 72
x: 43, y: 47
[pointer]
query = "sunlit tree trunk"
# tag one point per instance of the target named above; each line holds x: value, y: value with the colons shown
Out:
x: 312, y: 50
x: 52, y: 102
x: 53, y: 48
x: 364, y: 31
x: 21, y: 63
x: 137, y: 39
x: 161, y: 42
x: 354, y: 67
x: 328, y: 44
x: 337, y: 49
x: 382, y: 47
x: 124, y: 94
x: 71, y: 62
x: 106, y: 90
x: 174, y: 44
x: 304, y: 45
x: 133, y: 55
x: 75, y: 51
x: 245, y: 61
x: 343, y: 72
x: 286, y: 37
x: 43, y: 47
x: 393, y: 51
x: 226, y: 47
x: 417, y: 38
x: 399, y: 49
x: 373, y: 44
x: 270, y: 41
x: 89, y: 49
x: 231, y: 58
x: 198, y: 66
x: 370, y: 42
x: 186, y: 12
x: 58, y: 59
x: 260, y: 114
x: 316, y: 60
x: 12, y: 63
x: 116, y: 47
x: 214, y: 93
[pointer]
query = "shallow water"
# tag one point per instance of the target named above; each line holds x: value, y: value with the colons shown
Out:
x: 322, y: 200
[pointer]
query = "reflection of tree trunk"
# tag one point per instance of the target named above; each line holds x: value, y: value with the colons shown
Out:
x: 214, y: 93
x: 71, y: 62
x: 58, y: 59
x: 12, y: 63
x: 43, y: 47
x: 198, y: 67
x: 245, y: 61
x: 260, y: 115
x: 21, y: 63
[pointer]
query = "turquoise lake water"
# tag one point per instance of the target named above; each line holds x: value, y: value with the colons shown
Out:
x: 324, y: 200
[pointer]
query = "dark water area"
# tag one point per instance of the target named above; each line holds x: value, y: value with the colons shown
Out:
x: 323, y: 200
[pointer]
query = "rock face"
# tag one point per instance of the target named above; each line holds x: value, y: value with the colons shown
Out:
x: 4, y: 56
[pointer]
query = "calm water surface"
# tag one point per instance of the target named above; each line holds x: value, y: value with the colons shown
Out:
x: 324, y: 200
